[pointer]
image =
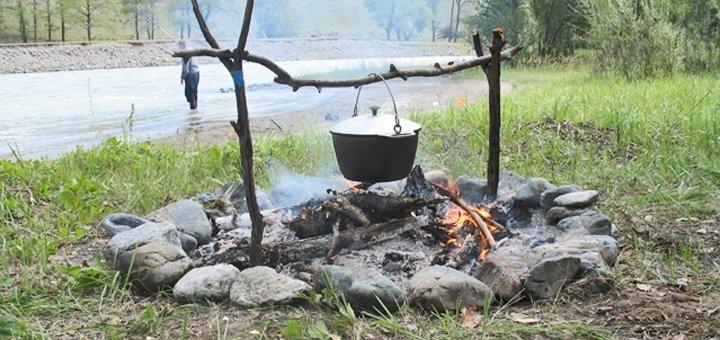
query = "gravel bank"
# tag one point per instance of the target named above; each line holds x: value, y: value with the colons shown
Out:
x: 69, y: 57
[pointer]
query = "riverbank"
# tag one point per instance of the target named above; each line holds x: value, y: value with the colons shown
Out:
x: 51, y: 57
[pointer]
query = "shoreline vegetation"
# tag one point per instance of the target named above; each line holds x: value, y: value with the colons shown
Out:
x: 652, y: 147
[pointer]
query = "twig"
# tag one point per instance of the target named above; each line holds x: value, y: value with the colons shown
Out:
x: 336, y: 244
x: 276, y: 124
x: 493, y: 223
x: 479, y: 221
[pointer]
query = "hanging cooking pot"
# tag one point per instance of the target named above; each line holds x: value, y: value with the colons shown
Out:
x: 375, y: 147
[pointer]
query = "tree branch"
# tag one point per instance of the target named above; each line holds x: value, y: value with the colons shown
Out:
x: 284, y: 78
x: 208, y: 35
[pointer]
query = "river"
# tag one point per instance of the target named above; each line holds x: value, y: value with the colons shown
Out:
x: 48, y: 114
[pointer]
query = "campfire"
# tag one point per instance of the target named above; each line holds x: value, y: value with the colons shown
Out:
x: 530, y: 240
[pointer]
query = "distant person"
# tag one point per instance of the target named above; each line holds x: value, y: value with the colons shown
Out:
x: 190, y: 77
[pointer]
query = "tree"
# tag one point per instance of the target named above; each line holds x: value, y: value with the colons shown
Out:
x: 63, y: 11
x: 698, y: 23
x: 180, y: 12
x: 556, y: 23
x: 22, y: 24
x: 48, y: 19
x: 459, y: 4
x: 272, y: 19
x: 150, y: 19
x: 448, y: 32
x: 88, y: 14
x: 132, y: 7
x: 402, y: 17
x: 35, y: 14
x: 511, y: 14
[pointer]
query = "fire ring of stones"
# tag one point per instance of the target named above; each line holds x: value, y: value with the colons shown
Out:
x: 425, y: 240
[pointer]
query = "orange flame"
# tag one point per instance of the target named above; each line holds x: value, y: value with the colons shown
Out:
x: 456, y: 218
x: 352, y: 185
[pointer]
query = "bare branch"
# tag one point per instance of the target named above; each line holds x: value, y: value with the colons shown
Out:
x: 284, y: 78
x: 242, y: 40
x: 203, y: 26
x: 203, y: 52
x: 227, y: 61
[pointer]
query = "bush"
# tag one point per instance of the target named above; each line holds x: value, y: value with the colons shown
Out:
x: 633, y: 38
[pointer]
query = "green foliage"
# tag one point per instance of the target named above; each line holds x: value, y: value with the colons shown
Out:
x: 632, y: 38
x: 699, y: 26
x: 512, y: 15
x: 555, y: 25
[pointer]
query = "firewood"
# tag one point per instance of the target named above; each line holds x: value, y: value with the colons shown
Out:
x: 315, y: 247
x: 474, y: 215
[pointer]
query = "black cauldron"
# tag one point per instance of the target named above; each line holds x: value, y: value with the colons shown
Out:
x: 375, y: 147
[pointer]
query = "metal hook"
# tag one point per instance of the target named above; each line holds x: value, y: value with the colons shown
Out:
x: 397, y: 128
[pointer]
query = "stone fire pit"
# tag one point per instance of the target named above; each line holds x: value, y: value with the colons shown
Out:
x: 381, y: 247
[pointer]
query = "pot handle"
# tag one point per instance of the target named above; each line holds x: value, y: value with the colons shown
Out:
x: 397, y: 128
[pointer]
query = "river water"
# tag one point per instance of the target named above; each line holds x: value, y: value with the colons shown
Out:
x: 47, y: 114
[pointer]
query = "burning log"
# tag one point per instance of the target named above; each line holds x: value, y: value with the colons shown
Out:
x: 479, y: 221
x: 321, y: 246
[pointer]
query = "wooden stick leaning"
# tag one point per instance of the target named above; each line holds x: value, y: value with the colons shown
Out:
x: 479, y: 221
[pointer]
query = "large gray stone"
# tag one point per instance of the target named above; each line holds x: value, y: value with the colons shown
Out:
x: 549, y: 276
x: 121, y: 222
x: 363, y: 288
x: 146, y: 233
x: 259, y: 286
x: 211, y: 283
x: 529, y: 193
x: 509, y: 183
x: 592, y: 224
x: 152, y: 266
x: 609, y: 245
x: 443, y: 288
x: 499, y: 277
x: 578, y: 199
x: 556, y: 214
x: 595, y: 252
x: 188, y: 216
x: 547, y: 198
x: 471, y: 189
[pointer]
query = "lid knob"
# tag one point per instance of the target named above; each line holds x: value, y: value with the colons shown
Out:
x: 374, y: 109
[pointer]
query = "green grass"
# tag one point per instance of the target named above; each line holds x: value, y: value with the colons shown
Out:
x: 657, y: 141
x: 651, y: 147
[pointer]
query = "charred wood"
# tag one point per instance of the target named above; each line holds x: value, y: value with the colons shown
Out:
x: 316, y: 247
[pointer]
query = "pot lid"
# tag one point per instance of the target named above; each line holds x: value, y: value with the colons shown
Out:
x: 375, y: 125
